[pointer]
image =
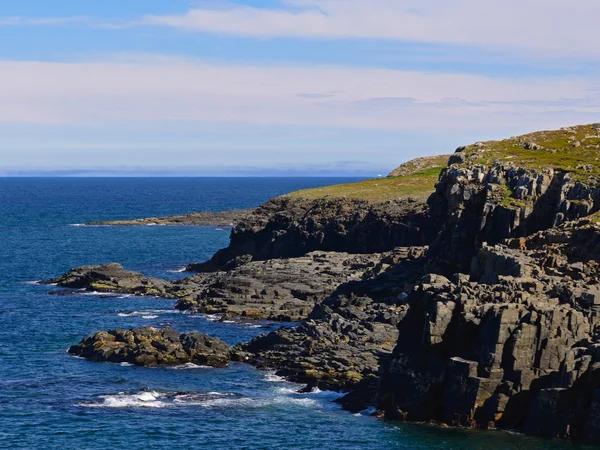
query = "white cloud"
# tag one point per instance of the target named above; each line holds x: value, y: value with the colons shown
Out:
x: 544, y: 27
x: 176, y: 90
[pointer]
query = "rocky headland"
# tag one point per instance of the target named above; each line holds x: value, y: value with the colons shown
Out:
x: 207, y: 218
x: 467, y: 295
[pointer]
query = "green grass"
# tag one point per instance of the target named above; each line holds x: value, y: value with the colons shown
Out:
x: 574, y: 149
x: 418, y: 184
x: 554, y: 149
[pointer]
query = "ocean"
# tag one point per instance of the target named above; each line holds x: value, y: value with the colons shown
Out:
x: 49, y: 399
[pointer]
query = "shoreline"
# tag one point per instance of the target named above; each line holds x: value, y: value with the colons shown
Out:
x: 476, y: 306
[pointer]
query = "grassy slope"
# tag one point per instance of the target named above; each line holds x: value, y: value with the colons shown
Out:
x: 573, y: 149
x: 417, y: 184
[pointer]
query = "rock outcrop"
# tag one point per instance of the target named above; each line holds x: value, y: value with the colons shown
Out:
x: 419, y: 164
x: 111, y: 278
x: 477, y: 308
x: 207, y: 218
x: 279, y: 290
x: 348, y: 335
x: 151, y: 347
x: 497, y: 190
x: 288, y: 227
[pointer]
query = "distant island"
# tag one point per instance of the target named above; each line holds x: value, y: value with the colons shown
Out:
x: 462, y: 289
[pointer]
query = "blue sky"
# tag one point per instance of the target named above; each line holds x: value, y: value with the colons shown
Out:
x: 344, y: 87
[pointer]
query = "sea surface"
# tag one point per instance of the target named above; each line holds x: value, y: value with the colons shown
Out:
x: 50, y: 400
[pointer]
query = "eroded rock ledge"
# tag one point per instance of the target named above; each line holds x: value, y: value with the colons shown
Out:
x: 280, y: 289
x: 288, y: 227
x: 150, y: 347
x: 208, y: 218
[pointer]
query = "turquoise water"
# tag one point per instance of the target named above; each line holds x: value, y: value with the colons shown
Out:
x: 49, y: 399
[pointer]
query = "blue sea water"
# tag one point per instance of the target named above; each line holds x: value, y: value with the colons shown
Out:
x: 49, y: 399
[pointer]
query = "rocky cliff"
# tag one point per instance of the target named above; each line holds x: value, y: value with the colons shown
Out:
x: 288, y: 227
x: 475, y: 303
x: 367, y: 217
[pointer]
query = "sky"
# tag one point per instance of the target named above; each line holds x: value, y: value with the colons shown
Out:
x: 283, y: 87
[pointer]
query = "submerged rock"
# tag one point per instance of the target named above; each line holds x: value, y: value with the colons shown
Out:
x: 150, y: 347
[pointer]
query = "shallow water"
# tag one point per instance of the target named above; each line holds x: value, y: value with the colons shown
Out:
x: 49, y: 399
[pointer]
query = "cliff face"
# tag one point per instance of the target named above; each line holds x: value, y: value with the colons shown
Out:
x: 500, y: 326
x: 516, y: 351
x: 289, y: 227
x: 510, y: 339
x: 474, y: 204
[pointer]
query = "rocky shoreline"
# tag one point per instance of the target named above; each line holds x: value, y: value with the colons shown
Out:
x: 210, y: 219
x: 475, y: 306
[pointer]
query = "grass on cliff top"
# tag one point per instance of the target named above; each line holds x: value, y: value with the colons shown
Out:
x: 418, y: 184
x: 572, y: 149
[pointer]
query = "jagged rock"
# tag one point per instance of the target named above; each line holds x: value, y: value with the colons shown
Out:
x: 349, y: 334
x: 291, y: 227
x: 152, y: 347
x: 278, y: 289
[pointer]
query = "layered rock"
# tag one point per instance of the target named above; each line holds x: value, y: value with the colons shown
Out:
x: 497, y: 190
x: 348, y: 335
x: 518, y: 353
x: 288, y: 227
x: 152, y: 347
x: 279, y: 290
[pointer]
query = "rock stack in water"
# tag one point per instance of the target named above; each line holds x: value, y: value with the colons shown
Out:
x: 152, y: 347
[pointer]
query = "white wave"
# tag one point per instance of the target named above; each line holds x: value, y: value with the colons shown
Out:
x: 188, y: 366
x: 98, y: 294
x: 121, y: 400
x: 285, y: 391
x: 180, y: 270
x: 271, y: 377
x: 148, y: 313
x: 250, y: 325
x: 229, y: 321
x: 77, y: 225
x: 154, y: 399
x: 125, y: 364
x: 367, y: 412
x: 211, y: 317
x: 33, y: 282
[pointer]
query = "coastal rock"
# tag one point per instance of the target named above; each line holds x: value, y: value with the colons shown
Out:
x: 207, y: 218
x: 111, y: 278
x: 420, y: 164
x: 348, y: 335
x: 481, y: 201
x: 514, y: 345
x: 152, y: 347
x: 288, y: 227
x: 279, y: 289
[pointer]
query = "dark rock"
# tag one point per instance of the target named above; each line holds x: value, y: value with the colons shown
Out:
x: 208, y: 218
x: 288, y: 227
x: 151, y: 347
